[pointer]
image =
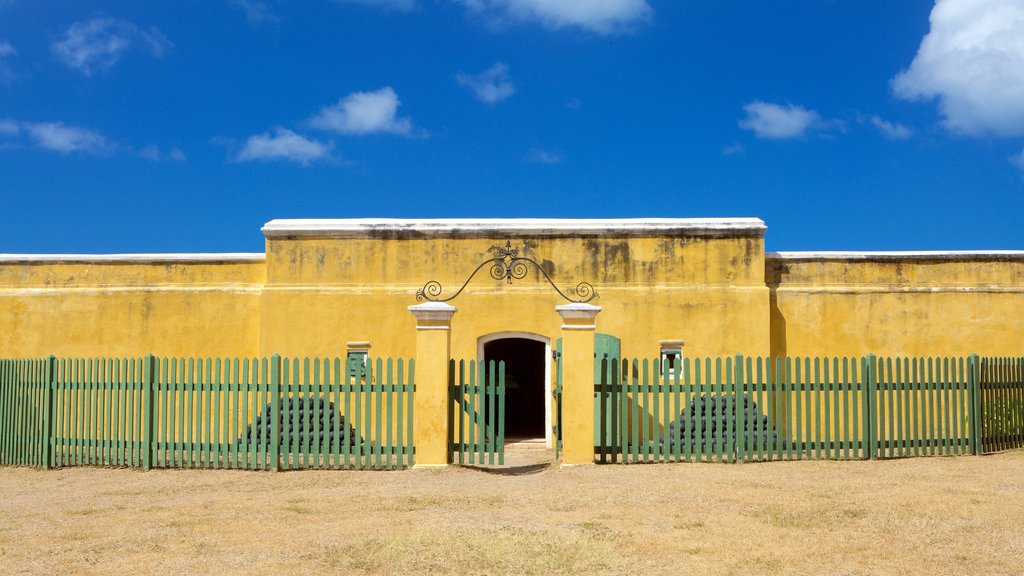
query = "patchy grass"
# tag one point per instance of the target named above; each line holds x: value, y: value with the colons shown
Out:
x: 915, y: 516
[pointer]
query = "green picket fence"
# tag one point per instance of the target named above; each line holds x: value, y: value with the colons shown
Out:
x: 476, y: 417
x: 1002, y: 406
x: 24, y: 412
x: 743, y: 409
x: 262, y: 413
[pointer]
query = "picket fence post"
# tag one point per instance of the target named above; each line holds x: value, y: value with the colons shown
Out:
x: 148, y: 376
x: 870, y: 405
x: 275, y: 412
x: 739, y: 420
x: 48, y: 436
x: 974, y: 402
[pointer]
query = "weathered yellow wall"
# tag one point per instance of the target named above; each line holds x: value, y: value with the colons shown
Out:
x: 82, y: 306
x: 707, y: 291
x: 897, y: 305
x: 312, y: 293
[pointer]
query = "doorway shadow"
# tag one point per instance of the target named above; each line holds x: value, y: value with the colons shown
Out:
x: 506, y: 470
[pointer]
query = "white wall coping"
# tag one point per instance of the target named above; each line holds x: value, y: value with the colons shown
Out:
x: 900, y: 255
x: 483, y: 227
x: 132, y: 258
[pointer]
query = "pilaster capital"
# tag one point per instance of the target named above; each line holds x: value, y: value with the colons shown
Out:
x: 433, y: 315
x: 578, y: 316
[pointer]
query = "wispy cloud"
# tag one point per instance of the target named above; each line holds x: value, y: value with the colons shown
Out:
x: 153, y: 154
x: 256, y: 11
x: 362, y: 113
x: 9, y: 128
x: 283, y: 144
x: 98, y: 44
x: 1018, y: 160
x: 65, y: 139
x: 491, y: 85
x: 541, y: 156
x: 733, y: 149
x: 599, y: 16
x: 400, y: 5
x: 779, y: 122
x: 891, y: 130
x: 972, y: 61
x: 6, y: 51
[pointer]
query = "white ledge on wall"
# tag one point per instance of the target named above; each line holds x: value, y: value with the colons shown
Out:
x: 497, y: 227
x: 927, y: 255
x: 227, y: 257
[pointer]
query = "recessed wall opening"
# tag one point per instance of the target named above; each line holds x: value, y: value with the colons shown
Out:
x: 526, y: 372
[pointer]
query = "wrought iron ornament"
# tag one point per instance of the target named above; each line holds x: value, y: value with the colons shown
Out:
x: 507, y: 265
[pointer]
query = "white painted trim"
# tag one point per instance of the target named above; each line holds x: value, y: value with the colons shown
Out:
x: 579, y: 327
x: 898, y: 255
x: 547, y: 369
x: 132, y: 258
x: 435, y: 311
x: 485, y: 227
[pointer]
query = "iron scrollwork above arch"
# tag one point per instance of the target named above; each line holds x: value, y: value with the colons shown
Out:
x: 508, y: 265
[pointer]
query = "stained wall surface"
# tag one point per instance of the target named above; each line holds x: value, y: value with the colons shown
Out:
x: 912, y: 304
x: 324, y: 283
x: 130, y: 305
x: 701, y: 282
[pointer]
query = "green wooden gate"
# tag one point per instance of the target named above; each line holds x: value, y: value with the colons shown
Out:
x: 607, y: 416
x: 1000, y: 406
x: 476, y: 426
x: 607, y: 351
x: 556, y: 402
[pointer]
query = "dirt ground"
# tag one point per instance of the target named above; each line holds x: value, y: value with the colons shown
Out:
x: 962, y: 515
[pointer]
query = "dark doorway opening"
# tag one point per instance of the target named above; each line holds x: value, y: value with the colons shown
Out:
x: 524, y: 385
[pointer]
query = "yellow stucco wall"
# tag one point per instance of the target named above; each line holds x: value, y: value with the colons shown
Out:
x: 892, y: 304
x: 315, y: 290
x: 131, y: 306
x: 707, y: 291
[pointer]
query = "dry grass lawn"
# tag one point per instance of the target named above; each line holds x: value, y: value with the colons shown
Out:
x: 961, y: 515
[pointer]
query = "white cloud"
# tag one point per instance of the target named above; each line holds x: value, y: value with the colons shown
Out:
x: 9, y: 128
x: 972, y: 60
x: 541, y: 156
x: 6, y: 50
x: 491, y: 85
x: 733, y: 149
x: 283, y: 144
x: 364, y: 113
x: 98, y: 44
x: 61, y: 138
x: 152, y: 153
x: 400, y: 5
x: 891, y: 130
x: 778, y: 122
x: 256, y: 12
x: 1018, y: 160
x: 600, y: 16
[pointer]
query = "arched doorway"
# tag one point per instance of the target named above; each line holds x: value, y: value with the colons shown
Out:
x: 527, y: 382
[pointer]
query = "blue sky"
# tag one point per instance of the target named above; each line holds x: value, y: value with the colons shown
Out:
x: 184, y: 126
